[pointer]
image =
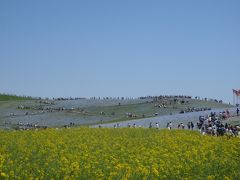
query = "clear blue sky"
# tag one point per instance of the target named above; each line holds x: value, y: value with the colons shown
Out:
x: 120, y: 48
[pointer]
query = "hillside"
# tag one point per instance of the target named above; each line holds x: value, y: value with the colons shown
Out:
x: 58, y: 113
x: 7, y: 97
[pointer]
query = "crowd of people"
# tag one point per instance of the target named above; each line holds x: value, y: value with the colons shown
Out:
x: 193, y: 109
x: 215, y: 124
x: 28, y: 126
x: 160, y: 97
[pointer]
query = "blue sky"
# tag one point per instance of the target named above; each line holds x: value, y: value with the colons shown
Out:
x: 120, y: 48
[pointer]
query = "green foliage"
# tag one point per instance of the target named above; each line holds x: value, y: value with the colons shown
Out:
x: 7, y: 97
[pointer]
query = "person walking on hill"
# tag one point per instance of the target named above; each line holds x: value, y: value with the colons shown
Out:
x: 182, y: 125
x: 228, y: 113
x: 170, y: 125
x: 150, y: 125
x: 192, y: 125
x: 237, y: 112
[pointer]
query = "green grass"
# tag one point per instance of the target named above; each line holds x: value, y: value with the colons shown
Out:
x: 211, y: 104
x: 6, y: 97
x: 233, y: 120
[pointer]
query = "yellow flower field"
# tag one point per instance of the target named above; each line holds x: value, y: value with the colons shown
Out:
x: 88, y: 153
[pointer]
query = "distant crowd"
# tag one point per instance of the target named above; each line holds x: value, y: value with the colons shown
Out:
x: 28, y: 126
x: 160, y: 97
x: 193, y: 109
x: 177, y: 97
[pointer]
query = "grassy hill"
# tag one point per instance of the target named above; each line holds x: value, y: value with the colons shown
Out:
x: 90, y: 153
x: 143, y: 109
x: 7, y: 97
x: 88, y: 111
